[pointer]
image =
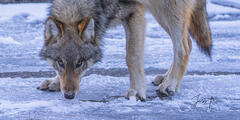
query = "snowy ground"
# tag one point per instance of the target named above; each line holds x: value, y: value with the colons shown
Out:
x: 210, y: 89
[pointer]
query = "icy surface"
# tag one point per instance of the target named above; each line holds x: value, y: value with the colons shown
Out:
x: 28, y: 11
x: 216, y: 9
x: 102, y: 97
x: 215, y: 95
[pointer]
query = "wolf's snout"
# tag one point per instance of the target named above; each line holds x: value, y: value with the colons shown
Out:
x: 69, y: 95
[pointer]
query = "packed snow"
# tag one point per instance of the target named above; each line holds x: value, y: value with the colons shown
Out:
x: 9, y: 40
x: 104, y: 98
x: 29, y: 11
x: 217, y: 9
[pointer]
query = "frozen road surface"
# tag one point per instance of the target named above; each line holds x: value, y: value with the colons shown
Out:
x: 210, y: 89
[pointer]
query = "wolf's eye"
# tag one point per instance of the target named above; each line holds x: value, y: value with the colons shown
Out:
x: 79, y: 63
x: 60, y: 63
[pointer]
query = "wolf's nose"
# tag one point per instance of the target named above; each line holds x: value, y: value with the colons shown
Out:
x: 69, y: 95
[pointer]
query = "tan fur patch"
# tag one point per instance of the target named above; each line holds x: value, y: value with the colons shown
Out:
x: 70, y: 82
x: 141, y: 9
x: 82, y: 25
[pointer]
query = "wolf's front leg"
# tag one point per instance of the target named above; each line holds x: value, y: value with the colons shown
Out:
x: 51, y: 85
x: 135, y: 35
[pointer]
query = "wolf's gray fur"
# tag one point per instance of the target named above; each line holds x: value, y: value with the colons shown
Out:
x: 66, y: 46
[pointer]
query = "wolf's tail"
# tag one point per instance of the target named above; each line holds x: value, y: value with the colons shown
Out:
x: 199, y: 28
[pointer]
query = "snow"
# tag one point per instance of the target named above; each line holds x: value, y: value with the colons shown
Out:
x: 217, y: 9
x: 236, y: 1
x: 11, y: 108
x: 29, y: 10
x: 8, y: 40
x: 212, y: 95
x: 199, y: 93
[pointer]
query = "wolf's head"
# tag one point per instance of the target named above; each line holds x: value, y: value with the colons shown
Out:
x: 70, y: 49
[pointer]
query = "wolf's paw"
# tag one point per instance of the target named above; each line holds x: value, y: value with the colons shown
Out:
x: 166, y: 89
x: 158, y: 80
x: 140, y: 95
x: 50, y: 85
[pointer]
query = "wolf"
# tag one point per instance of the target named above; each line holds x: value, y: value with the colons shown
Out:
x: 74, y: 34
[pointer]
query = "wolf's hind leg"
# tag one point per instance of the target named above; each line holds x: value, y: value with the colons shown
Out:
x: 176, y: 25
x: 175, y: 17
x: 170, y: 82
x: 51, y: 85
x: 159, y: 78
x: 135, y: 35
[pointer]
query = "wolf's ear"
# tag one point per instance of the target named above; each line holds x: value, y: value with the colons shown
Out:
x: 52, y: 30
x: 87, y: 32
